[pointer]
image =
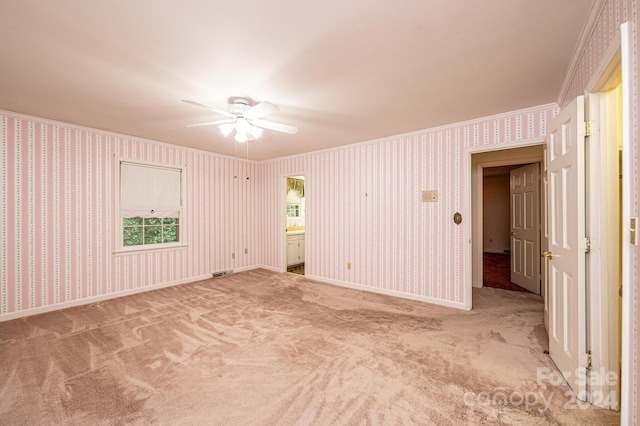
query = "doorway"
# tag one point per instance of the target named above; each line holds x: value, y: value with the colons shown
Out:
x: 511, y: 227
x: 295, y: 230
x: 494, y: 163
x: 605, y: 202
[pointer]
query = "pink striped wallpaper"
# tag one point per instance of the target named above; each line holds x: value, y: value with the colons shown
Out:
x: 364, y: 207
x: 613, y: 14
x: 57, y: 188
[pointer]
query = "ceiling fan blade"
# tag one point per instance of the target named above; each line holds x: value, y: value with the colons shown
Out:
x: 212, y: 123
x: 260, y: 110
x: 278, y: 127
x: 219, y: 111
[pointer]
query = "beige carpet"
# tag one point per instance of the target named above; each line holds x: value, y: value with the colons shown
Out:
x: 265, y: 348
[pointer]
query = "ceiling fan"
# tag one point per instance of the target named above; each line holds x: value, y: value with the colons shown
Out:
x: 245, y: 119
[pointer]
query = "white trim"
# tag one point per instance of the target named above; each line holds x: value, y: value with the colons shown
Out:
x: 90, y: 300
x: 628, y: 335
x: 267, y: 267
x: 282, y: 222
x: 602, y: 228
x: 119, y: 135
x: 246, y: 268
x: 580, y: 48
x: 150, y: 249
x: 417, y: 298
x: 603, y: 274
x: 448, y: 126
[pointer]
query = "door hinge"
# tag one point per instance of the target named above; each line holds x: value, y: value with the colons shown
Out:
x: 587, y: 248
x: 587, y: 128
x: 588, y: 361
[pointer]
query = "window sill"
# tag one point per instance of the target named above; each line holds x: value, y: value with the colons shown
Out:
x: 149, y: 249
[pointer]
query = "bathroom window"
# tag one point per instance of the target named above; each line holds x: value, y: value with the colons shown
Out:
x: 293, y: 210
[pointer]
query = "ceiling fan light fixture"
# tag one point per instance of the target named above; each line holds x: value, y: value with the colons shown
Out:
x: 256, y: 132
x: 244, y: 130
x: 227, y: 128
x: 241, y: 136
x: 243, y: 125
x: 246, y: 120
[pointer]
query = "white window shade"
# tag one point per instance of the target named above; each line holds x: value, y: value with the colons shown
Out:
x: 149, y: 191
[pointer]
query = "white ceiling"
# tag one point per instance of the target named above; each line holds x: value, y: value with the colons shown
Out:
x: 342, y: 71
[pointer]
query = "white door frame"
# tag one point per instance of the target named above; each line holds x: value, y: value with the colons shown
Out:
x: 628, y: 309
x: 473, y: 233
x: 613, y: 69
x: 283, y: 218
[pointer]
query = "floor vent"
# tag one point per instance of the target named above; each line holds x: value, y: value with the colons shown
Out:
x: 221, y: 273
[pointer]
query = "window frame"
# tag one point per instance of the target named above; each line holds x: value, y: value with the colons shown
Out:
x: 119, y: 222
x: 296, y: 209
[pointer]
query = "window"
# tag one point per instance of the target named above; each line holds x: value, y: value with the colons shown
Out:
x: 138, y: 231
x: 293, y: 210
x: 150, y: 206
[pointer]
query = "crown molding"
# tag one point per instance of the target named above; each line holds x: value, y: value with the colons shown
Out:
x: 579, y: 51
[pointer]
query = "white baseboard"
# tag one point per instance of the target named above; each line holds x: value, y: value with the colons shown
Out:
x: 270, y: 268
x: 432, y: 300
x: 89, y: 300
x: 95, y: 299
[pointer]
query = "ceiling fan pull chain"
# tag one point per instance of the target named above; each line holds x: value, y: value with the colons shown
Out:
x: 247, y: 164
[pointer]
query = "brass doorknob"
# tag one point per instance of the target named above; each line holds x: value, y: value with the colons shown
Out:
x: 547, y: 255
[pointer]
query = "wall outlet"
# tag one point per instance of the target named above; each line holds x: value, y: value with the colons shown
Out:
x: 430, y: 196
x: 246, y: 251
x: 233, y: 255
x: 349, y: 266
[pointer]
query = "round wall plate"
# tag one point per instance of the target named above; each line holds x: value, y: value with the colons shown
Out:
x: 457, y: 218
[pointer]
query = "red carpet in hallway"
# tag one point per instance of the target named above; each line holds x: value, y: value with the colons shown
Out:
x: 497, y: 272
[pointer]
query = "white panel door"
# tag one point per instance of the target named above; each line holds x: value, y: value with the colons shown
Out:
x: 566, y: 255
x: 525, y: 229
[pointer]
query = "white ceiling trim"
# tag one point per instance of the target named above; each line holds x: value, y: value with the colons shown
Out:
x: 427, y: 130
x: 118, y: 135
x: 579, y: 51
x: 337, y: 148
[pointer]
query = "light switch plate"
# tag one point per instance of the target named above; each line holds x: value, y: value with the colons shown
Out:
x: 430, y: 196
x: 633, y: 231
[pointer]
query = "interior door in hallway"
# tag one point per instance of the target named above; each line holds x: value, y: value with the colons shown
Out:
x: 525, y: 227
x: 566, y: 255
